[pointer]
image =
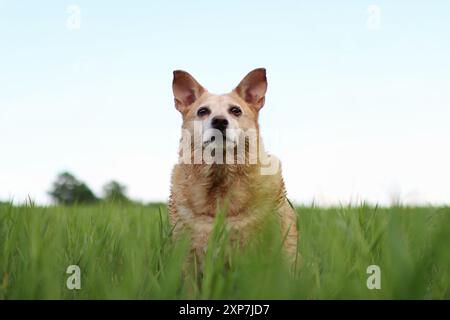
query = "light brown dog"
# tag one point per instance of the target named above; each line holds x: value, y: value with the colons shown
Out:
x: 220, y: 124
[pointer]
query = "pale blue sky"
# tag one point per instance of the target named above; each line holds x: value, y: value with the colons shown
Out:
x: 353, y: 113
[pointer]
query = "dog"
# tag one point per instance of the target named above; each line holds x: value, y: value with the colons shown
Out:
x: 200, y: 187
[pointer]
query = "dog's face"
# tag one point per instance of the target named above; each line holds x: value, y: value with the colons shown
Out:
x: 215, y: 117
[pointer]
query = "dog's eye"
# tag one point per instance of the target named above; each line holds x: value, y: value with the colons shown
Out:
x: 235, y: 111
x: 203, y: 111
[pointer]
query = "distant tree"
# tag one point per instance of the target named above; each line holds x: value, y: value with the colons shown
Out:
x: 115, y: 192
x: 68, y: 190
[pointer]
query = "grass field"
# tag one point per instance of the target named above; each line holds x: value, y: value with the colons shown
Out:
x: 125, y: 252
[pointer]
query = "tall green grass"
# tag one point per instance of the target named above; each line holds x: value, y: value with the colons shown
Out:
x: 126, y: 252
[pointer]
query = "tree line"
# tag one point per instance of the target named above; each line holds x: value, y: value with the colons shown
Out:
x: 69, y: 190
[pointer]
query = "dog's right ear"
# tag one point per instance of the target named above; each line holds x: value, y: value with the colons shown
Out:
x: 186, y: 90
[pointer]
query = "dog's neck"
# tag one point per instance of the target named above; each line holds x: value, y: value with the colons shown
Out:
x: 216, y: 184
x: 223, y: 174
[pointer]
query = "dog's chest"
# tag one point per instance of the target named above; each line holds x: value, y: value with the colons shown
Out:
x: 197, y: 198
x: 206, y: 196
x: 201, y: 225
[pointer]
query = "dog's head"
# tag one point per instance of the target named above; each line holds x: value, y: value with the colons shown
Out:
x: 224, y: 116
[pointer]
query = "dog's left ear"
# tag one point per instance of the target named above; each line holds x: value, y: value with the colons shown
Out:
x: 253, y: 88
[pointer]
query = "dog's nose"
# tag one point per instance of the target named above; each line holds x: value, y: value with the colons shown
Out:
x: 219, y: 123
